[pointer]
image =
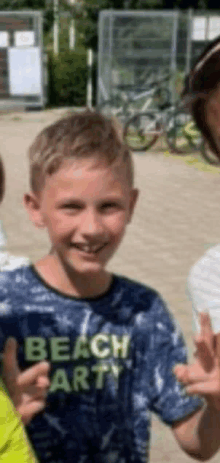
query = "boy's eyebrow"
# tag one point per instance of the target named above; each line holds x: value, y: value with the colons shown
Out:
x: 110, y: 197
x: 69, y: 200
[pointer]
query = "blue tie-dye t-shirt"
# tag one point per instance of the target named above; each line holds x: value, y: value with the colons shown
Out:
x: 112, y: 359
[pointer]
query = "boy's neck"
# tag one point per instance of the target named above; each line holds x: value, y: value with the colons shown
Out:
x: 80, y: 286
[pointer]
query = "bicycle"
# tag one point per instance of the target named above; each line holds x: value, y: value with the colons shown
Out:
x: 142, y: 130
x: 208, y: 154
x: 122, y: 105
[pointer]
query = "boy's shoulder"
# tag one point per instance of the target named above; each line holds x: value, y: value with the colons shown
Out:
x: 147, y: 304
x: 136, y: 291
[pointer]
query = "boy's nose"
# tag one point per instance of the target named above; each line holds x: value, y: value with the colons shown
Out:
x: 91, y: 224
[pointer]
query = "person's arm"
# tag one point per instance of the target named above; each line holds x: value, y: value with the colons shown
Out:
x: 27, y: 389
x: 203, y: 288
x: 199, y: 434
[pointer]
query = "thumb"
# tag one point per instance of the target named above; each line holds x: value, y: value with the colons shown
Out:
x: 28, y: 411
x: 181, y: 372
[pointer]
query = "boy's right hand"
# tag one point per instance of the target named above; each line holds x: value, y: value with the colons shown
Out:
x: 27, y: 389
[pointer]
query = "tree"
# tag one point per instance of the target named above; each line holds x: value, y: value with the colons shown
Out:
x: 19, y: 4
x: 91, y: 14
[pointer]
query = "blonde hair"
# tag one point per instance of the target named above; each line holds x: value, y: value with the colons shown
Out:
x: 77, y: 136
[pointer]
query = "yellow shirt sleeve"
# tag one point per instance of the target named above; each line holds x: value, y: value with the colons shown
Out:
x: 14, y: 443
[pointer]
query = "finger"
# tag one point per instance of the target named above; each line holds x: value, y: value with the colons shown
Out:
x: 43, y: 382
x: 10, y: 364
x: 203, y: 388
x: 27, y: 412
x: 190, y: 374
x: 32, y: 374
x: 186, y: 377
x: 38, y: 394
x: 39, y: 389
x: 204, y: 355
x: 181, y: 373
x: 32, y: 393
x: 10, y: 368
x: 206, y: 329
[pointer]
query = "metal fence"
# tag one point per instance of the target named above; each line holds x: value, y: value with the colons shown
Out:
x: 136, y: 46
x: 22, y: 62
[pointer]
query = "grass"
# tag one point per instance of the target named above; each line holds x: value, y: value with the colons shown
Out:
x: 193, y: 160
x: 196, y: 161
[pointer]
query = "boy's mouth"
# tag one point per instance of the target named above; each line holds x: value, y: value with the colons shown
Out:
x: 89, y: 249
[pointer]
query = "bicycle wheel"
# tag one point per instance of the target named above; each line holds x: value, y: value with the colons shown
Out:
x: 162, y: 97
x: 142, y: 131
x: 208, y: 154
x: 182, y: 135
x: 112, y: 107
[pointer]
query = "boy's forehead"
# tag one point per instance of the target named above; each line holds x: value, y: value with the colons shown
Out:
x: 88, y: 168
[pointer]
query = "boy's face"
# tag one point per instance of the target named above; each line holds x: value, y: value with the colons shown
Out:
x: 85, y: 208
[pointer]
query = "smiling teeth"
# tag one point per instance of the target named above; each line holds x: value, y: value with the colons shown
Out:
x: 87, y: 248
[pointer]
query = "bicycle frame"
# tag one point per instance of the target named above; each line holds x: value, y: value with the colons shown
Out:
x: 149, y: 94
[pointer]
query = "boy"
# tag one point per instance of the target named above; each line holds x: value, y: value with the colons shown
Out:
x: 111, y: 341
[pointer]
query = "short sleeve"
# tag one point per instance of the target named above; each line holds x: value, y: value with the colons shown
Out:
x: 203, y: 288
x: 167, y: 348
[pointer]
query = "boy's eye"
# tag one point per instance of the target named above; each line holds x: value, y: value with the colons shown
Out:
x: 72, y: 206
x: 110, y: 205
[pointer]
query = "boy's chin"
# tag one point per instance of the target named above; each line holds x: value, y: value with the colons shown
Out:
x: 87, y: 268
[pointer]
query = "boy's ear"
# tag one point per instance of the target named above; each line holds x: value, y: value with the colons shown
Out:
x: 32, y: 205
x: 133, y: 202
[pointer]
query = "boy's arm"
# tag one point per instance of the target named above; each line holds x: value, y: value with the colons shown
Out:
x: 199, y: 434
x: 27, y: 389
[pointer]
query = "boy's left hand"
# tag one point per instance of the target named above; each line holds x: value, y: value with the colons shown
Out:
x: 27, y: 389
x: 203, y: 376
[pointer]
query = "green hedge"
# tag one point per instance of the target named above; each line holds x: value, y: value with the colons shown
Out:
x: 67, y: 79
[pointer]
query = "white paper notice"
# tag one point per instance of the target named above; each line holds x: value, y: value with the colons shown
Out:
x: 199, y: 28
x: 24, y: 71
x: 24, y: 38
x: 214, y: 27
x: 4, y: 39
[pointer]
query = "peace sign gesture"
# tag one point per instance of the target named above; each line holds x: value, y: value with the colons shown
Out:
x: 27, y: 389
x: 203, y: 376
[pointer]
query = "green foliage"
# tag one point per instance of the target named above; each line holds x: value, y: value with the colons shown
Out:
x: 19, y: 4
x: 67, y: 79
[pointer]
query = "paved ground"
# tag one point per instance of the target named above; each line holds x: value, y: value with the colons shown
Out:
x: 177, y: 218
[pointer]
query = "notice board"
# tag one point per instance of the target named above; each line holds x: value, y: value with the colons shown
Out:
x: 24, y: 71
